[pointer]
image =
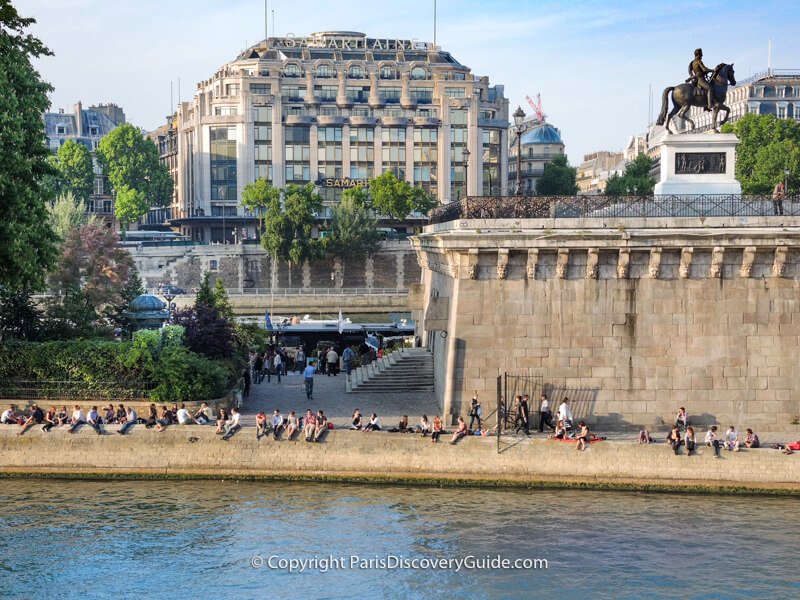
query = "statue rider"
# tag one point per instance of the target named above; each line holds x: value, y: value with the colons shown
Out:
x: 697, y: 75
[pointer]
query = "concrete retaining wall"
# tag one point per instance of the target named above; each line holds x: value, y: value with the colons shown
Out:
x: 197, y: 451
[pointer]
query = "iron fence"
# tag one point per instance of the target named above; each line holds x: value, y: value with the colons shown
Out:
x: 75, y: 390
x: 508, y: 387
x: 581, y: 207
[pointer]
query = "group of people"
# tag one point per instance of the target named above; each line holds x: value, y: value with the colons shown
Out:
x: 312, y: 425
x: 57, y: 417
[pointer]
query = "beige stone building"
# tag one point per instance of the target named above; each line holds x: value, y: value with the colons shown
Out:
x: 335, y: 109
x: 595, y: 170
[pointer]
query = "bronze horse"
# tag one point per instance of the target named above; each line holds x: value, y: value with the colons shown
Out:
x: 685, y: 95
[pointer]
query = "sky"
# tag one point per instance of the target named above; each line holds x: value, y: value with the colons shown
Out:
x: 593, y: 62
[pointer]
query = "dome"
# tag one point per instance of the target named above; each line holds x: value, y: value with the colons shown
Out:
x: 145, y: 303
x: 543, y: 134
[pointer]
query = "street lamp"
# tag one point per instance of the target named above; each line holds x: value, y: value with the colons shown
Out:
x: 786, y: 173
x: 466, y: 173
x: 169, y: 297
x: 519, y: 117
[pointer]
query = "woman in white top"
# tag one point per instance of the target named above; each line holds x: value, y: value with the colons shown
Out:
x: 424, y: 426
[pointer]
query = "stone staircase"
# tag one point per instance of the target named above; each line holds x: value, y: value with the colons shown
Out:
x: 409, y: 370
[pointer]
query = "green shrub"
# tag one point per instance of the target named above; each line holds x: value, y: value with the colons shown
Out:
x: 184, y: 376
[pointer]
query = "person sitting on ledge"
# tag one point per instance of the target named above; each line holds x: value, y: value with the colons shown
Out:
x: 402, y: 426
x: 674, y: 439
x: 232, y: 425
x: 152, y: 417
x: 77, y: 420
x: 109, y: 414
x: 121, y: 415
x: 309, y: 425
x: 184, y: 418
x: 460, y: 431
x: 165, y: 420
x: 357, y: 420
x: 711, y: 440
x: 93, y: 419
x: 560, y: 432
x: 291, y: 425
x: 583, y: 436
x: 36, y: 418
x: 373, y: 425
x: 424, y: 427
x: 321, y: 426
x: 437, y: 429
x: 62, y: 416
x: 261, y: 425
x: 10, y: 416
x: 203, y: 414
x: 277, y: 424
x: 644, y: 437
x: 690, y: 441
x: 222, y: 418
x: 791, y: 448
x: 130, y: 420
x: 732, y: 439
x: 751, y: 439
x: 682, y: 419
x: 49, y: 419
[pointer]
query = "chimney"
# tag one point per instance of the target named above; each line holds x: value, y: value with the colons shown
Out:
x: 78, y: 110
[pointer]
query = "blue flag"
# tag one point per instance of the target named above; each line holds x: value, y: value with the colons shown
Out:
x: 267, y: 321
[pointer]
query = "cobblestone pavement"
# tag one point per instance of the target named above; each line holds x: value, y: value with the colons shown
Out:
x: 338, y: 405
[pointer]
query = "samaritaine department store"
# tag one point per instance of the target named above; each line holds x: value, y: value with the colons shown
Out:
x: 334, y: 109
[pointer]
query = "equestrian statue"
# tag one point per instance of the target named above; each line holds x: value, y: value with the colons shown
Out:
x: 698, y: 91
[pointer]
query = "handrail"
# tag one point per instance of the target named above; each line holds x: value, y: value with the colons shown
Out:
x: 302, y: 291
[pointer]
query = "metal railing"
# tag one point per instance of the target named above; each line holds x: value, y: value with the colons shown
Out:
x: 75, y: 390
x: 603, y: 207
x: 300, y: 291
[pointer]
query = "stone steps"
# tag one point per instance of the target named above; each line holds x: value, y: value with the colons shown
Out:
x: 409, y: 370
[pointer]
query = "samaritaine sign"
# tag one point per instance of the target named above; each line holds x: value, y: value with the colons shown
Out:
x: 348, y: 42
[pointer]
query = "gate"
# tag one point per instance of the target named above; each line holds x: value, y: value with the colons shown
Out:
x: 509, y: 386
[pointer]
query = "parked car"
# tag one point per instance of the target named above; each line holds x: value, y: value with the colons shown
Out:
x: 387, y: 233
x: 172, y: 290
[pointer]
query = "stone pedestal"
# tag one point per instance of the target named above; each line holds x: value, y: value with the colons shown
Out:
x: 698, y: 163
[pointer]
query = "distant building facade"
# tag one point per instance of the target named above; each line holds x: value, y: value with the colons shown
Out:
x: 87, y: 127
x: 539, y: 144
x: 335, y: 109
x: 596, y: 168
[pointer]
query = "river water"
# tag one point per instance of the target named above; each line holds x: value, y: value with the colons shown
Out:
x: 200, y: 539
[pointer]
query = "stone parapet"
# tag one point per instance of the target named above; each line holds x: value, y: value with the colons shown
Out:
x: 196, y: 452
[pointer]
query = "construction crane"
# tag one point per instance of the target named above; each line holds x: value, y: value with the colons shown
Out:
x: 537, y: 107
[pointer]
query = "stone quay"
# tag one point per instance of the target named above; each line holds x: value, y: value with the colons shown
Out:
x: 630, y: 317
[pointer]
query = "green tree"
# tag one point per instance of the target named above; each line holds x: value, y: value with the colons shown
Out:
x: 558, y: 178
x: 131, y: 162
x: 28, y: 246
x: 257, y: 196
x: 19, y: 317
x: 130, y: 205
x: 205, y: 295
x: 75, y: 171
x: 767, y: 147
x: 354, y: 229
x: 221, y: 302
x: 68, y: 213
x: 397, y: 199
x: 635, y: 181
x: 91, y: 276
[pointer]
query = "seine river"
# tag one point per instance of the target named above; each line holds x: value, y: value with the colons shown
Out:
x: 203, y: 539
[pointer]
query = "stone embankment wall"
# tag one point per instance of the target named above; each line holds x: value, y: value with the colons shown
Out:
x: 249, y: 266
x: 629, y: 323
x: 196, y: 451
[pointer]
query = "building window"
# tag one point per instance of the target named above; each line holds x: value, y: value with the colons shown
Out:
x: 293, y: 93
x: 92, y: 130
x: 388, y: 73
x: 232, y: 89
x: 260, y: 88
x: 393, y: 150
x: 422, y: 95
x: 769, y: 91
x: 455, y: 92
x: 358, y: 93
x: 225, y: 111
x: 223, y: 163
x: 419, y: 73
x: 362, y: 152
x: 390, y: 95
x: 426, y: 112
x: 325, y: 71
x: 458, y: 143
x: 355, y: 72
x: 291, y: 71
x: 459, y: 76
x: 426, y: 159
x: 490, y: 181
x: 61, y: 130
x: 262, y: 114
x: 361, y: 112
x: 107, y: 206
x: 326, y: 93
x: 213, y: 265
x: 329, y: 111
x: 297, y: 154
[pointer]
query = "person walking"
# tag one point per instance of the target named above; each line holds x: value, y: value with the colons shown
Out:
x: 333, y: 362
x: 278, y: 364
x: 545, y: 416
x: 258, y: 367
x: 300, y: 360
x: 475, y: 412
x: 523, y: 412
x: 308, y: 379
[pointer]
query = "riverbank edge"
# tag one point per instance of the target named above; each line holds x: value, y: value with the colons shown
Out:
x: 417, y: 480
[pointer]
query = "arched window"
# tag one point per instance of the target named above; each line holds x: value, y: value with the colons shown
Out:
x: 388, y: 72
x: 769, y: 91
x: 789, y: 92
x: 355, y: 72
x: 419, y: 73
x: 291, y: 71
x: 325, y: 71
